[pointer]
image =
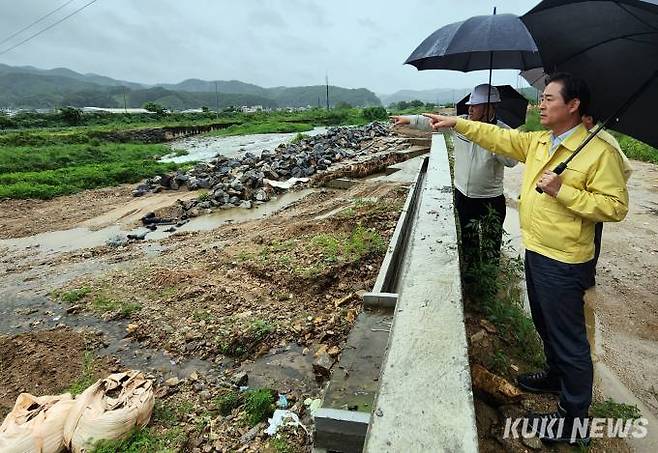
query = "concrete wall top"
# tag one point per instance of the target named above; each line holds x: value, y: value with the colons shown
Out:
x: 425, y: 402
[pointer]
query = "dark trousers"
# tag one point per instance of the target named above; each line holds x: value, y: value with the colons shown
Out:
x: 555, y: 292
x: 485, y: 215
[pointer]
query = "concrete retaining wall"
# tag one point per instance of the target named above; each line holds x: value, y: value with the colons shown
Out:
x: 424, y: 402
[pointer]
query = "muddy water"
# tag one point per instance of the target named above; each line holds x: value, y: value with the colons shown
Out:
x: 80, y: 238
x: 205, y: 148
x: 28, y: 275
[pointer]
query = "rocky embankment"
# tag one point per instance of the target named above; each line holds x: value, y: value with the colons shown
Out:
x: 252, y: 179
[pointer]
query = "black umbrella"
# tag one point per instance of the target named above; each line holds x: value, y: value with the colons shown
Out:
x: 511, y: 109
x: 613, y: 46
x: 499, y: 41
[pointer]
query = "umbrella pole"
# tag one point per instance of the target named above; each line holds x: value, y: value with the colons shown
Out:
x: 489, y: 88
x: 490, y: 72
x: 615, y: 116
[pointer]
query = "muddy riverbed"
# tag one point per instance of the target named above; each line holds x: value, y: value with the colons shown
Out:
x: 235, y: 290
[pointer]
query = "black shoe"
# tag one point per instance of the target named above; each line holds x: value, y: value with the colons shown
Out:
x: 539, y: 382
x: 558, y: 427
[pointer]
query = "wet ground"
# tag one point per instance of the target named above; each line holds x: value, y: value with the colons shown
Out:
x: 234, y: 290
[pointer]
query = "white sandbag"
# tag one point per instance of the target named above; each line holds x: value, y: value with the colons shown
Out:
x: 109, y: 409
x: 36, y: 424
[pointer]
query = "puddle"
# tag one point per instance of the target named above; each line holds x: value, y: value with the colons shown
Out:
x: 283, y: 368
x: 355, y: 379
x: 201, y: 148
x: 80, y: 238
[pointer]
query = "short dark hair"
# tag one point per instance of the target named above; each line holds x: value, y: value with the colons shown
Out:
x: 572, y: 88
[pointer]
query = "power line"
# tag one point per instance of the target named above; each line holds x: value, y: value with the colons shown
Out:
x: 35, y: 22
x: 48, y: 27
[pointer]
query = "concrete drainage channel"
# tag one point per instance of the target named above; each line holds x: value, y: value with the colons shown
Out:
x: 403, y: 380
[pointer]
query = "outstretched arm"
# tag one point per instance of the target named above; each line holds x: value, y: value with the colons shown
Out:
x: 506, y: 142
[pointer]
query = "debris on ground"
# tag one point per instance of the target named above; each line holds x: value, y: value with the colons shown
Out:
x: 110, y: 409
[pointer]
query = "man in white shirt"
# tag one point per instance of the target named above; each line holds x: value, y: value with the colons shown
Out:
x: 479, y: 198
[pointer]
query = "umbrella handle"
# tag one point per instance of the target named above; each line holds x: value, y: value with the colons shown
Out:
x: 558, y: 171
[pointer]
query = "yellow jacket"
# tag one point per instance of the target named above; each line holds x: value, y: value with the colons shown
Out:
x: 593, y: 188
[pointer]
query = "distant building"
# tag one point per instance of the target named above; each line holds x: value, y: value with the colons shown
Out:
x: 251, y: 108
x: 112, y: 110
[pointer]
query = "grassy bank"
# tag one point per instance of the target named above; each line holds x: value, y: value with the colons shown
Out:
x: 49, y: 171
x: 265, y: 127
x: 634, y: 149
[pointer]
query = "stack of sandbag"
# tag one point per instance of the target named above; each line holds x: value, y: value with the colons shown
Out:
x: 109, y: 409
x: 36, y: 424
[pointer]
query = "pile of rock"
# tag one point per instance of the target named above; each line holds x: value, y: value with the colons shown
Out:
x: 239, y: 182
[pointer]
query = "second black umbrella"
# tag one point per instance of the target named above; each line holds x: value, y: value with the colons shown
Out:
x: 511, y: 109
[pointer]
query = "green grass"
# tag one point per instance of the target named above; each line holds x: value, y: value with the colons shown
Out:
x: 246, y: 339
x: 86, y: 377
x: 145, y: 441
x: 501, y: 300
x: 20, y: 159
x: 63, y: 181
x: 281, y: 445
x: 299, y: 137
x: 259, y: 404
x: 635, y: 149
x: 532, y: 121
x: 261, y: 329
x: 349, y: 248
x: 495, y: 291
x: 611, y: 409
x: 262, y: 128
x: 74, y: 295
x: 103, y: 304
x: 228, y: 401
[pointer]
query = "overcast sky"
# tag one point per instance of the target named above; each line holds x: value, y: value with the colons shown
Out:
x: 359, y: 43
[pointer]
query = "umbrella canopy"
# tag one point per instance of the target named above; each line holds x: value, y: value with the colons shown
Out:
x: 511, y: 109
x: 613, y: 45
x: 468, y: 46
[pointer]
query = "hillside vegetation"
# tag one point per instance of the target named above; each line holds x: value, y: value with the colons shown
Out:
x: 27, y: 87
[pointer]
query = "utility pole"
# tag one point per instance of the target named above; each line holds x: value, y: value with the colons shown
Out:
x: 125, y: 105
x: 217, y: 98
x: 326, y: 80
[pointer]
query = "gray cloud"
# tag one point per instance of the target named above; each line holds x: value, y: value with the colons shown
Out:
x: 268, y: 42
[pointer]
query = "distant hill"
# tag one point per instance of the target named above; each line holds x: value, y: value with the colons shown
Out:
x: 64, y: 72
x: 442, y: 95
x: 283, y: 96
x: 224, y: 86
x: 29, y: 87
x: 435, y: 96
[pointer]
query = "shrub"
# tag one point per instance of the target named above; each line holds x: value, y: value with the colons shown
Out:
x: 375, y: 113
x: 259, y: 404
x: 71, y: 115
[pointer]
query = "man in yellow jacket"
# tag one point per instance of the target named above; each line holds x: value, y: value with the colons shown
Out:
x: 557, y: 227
